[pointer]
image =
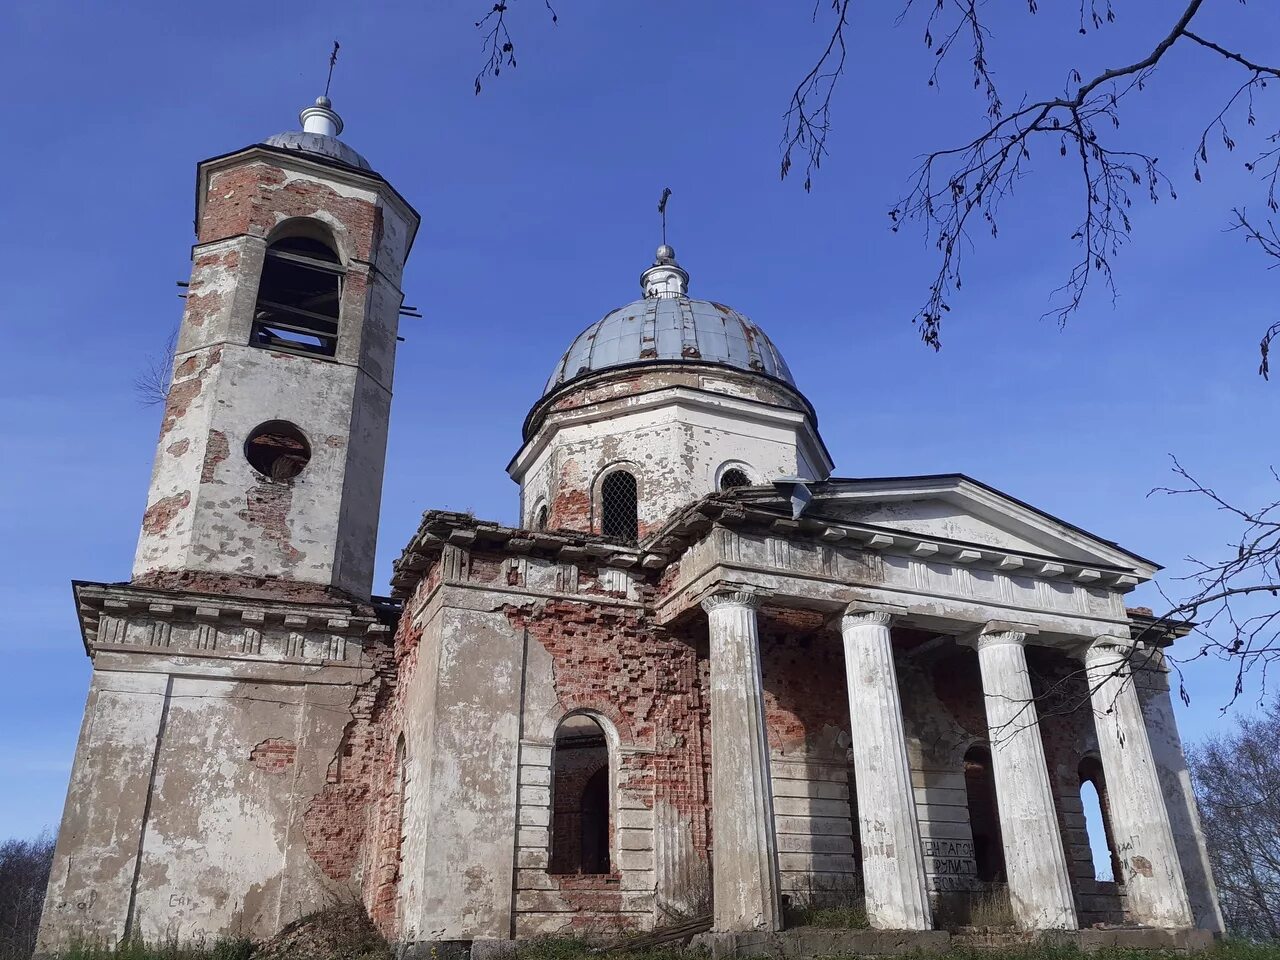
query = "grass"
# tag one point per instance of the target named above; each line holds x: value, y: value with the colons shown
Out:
x: 848, y: 917
x: 232, y: 949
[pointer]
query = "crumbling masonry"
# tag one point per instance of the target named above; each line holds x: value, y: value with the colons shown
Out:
x: 702, y: 677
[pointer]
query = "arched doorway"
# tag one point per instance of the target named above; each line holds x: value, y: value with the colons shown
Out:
x: 580, y: 798
x: 1093, y: 797
x: 984, y: 815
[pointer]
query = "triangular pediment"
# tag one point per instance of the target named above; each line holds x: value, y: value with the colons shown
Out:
x: 956, y: 508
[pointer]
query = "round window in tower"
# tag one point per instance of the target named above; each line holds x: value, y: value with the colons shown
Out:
x: 277, y: 449
x: 734, y: 477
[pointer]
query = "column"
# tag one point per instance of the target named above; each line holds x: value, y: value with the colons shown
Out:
x: 1039, y: 885
x: 1152, y: 677
x: 744, y: 855
x: 892, y: 859
x: 1152, y: 878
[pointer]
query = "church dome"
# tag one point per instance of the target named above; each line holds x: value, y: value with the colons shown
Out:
x: 668, y: 326
x: 319, y: 136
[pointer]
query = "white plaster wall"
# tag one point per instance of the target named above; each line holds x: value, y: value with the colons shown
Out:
x: 462, y: 817
x: 677, y: 449
x: 168, y: 817
x: 97, y: 850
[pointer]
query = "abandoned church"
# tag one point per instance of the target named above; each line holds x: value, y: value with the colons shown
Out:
x: 703, y: 677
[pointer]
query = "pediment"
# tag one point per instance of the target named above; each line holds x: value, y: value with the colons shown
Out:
x: 957, y: 508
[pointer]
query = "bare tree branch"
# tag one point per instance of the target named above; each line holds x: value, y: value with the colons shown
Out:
x: 151, y: 385
x: 808, y: 116
x: 499, y: 45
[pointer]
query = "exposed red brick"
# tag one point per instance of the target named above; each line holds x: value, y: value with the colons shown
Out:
x: 254, y: 197
x: 267, y: 507
x: 239, y: 585
x: 178, y: 448
x: 215, y: 451
x: 188, y: 382
x: 274, y: 756
x: 802, y: 666
x: 160, y: 514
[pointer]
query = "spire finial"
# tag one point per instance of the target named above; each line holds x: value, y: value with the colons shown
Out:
x: 320, y: 117
x: 333, y: 60
x: 662, y: 209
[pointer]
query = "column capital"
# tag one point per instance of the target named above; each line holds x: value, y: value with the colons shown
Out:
x: 999, y: 638
x: 860, y: 617
x: 731, y: 598
x: 1107, y: 650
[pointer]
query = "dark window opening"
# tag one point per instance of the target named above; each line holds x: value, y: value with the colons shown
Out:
x: 298, y: 298
x: 618, y: 506
x: 278, y: 450
x: 580, y: 834
x: 734, y: 478
x: 540, y: 521
x: 984, y: 816
x: 1093, y: 797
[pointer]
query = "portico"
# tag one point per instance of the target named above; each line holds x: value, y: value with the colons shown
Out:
x: 998, y: 601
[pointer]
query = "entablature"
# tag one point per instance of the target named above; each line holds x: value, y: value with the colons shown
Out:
x: 124, y: 618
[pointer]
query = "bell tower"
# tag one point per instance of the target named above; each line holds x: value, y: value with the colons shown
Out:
x: 268, y: 471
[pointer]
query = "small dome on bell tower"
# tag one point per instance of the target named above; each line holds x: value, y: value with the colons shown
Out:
x: 321, y: 127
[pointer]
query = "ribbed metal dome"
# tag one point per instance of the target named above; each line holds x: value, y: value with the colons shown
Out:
x: 662, y: 329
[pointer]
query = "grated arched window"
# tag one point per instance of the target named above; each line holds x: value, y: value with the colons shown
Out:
x: 298, y: 298
x: 733, y: 477
x: 540, y: 519
x: 619, y: 510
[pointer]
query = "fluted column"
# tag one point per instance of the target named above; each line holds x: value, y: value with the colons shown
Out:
x: 1039, y: 885
x: 893, y: 877
x: 1153, y: 881
x: 744, y: 855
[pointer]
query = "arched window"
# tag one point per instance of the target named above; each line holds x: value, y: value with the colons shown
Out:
x: 984, y: 817
x: 580, y: 831
x: 298, y: 297
x: 618, y: 508
x: 540, y: 518
x: 734, y: 477
x: 1093, y: 797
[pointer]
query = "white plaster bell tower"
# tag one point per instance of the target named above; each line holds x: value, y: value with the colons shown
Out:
x: 269, y: 465
x: 661, y: 402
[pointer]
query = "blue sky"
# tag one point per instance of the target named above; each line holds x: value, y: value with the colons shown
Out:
x: 538, y: 201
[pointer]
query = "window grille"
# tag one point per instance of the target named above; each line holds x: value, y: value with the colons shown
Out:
x: 540, y: 521
x: 733, y: 477
x: 298, y: 298
x: 618, y: 507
